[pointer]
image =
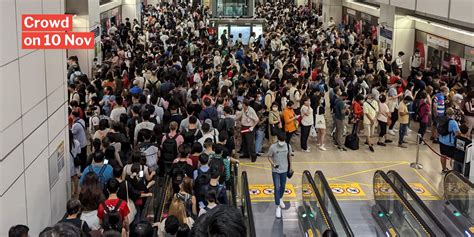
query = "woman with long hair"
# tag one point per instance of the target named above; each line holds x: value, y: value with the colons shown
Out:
x: 185, y: 194
x: 319, y: 120
x: 91, y: 196
x: 178, y: 210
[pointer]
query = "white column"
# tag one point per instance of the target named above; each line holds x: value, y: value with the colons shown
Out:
x: 131, y: 9
x: 332, y: 8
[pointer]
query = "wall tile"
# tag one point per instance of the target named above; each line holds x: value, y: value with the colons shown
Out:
x: 434, y: 7
x: 13, y: 202
x: 32, y: 78
x: 8, y: 47
x: 9, y: 88
x: 35, y: 143
x: 10, y: 137
x: 462, y: 10
x: 37, y: 184
x: 34, y: 118
x: 25, y: 7
x: 56, y: 123
x: 51, y: 7
x: 56, y: 99
x: 407, y: 4
x: 10, y: 168
x: 54, y: 73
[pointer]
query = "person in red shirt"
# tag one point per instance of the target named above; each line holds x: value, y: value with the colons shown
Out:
x: 112, y: 187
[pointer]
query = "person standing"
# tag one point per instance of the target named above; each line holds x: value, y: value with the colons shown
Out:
x: 447, y: 138
x: 398, y: 63
x: 383, y: 118
x: 78, y: 130
x: 307, y: 120
x: 279, y: 158
x: 424, y: 113
x: 248, y: 119
x: 415, y: 62
x: 370, y: 109
x: 290, y: 119
x: 274, y: 122
x: 403, y: 119
x: 340, y: 111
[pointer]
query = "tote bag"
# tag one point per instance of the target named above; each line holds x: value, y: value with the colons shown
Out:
x: 320, y: 121
x: 131, y: 206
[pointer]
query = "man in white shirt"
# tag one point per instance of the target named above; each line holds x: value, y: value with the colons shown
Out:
x: 295, y: 95
x: 249, y: 120
x: 370, y: 108
x: 415, y: 62
x: 146, y: 124
x: 118, y: 109
x: 208, y: 132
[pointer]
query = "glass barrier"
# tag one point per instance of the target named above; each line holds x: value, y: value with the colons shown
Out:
x: 329, y: 201
x: 417, y: 204
x: 247, y: 206
x: 312, y: 206
x: 397, y: 209
x: 459, y: 191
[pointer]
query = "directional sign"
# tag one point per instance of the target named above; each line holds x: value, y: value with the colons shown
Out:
x: 347, y: 189
x: 420, y: 190
x: 254, y: 191
x: 265, y: 192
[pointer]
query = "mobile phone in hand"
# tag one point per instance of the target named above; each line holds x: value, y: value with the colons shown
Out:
x: 106, y: 161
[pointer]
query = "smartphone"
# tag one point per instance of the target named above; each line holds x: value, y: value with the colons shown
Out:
x: 140, y: 174
x: 106, y: 161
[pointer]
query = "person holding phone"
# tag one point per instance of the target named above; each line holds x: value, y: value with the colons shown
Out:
x: 280, y: 162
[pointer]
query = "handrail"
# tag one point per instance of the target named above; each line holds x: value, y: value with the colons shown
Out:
x: 248, y: 206
x: 459, y: 176
x: 332, y: 199
x: 162, y: 201
x: 324, y: 211
x: 150, y: 201
x: 414, y: 196
x: 404, y: 201
x: 234, y: 183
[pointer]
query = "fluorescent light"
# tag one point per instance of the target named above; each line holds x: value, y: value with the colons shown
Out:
x: 365, y: 5
x: 457, y: 30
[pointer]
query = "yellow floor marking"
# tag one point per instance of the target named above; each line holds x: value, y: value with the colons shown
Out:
x: 367, y: 170
x: 266, y: 191
x: 265, y: 168
x: 347, y: 190
x: 426, y: 181
x: 350, y: 181
x: 420, y: 190
x: 331, y: 162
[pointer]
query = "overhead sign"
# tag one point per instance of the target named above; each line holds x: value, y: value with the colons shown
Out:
x: 437, y: 41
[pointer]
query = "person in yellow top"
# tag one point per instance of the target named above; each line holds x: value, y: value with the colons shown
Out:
x: 403, y: 119
x: 290, y: 119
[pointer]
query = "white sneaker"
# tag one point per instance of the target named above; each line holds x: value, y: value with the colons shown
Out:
x: 278, y: 212
x: 395, y: 130
x: 282, y: 204
x: 391, y: 132
x: 322, y: 148
x: 307, y: 150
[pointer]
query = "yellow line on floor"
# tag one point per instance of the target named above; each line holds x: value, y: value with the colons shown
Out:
x: 331, y: 162
x: 367, y: 170
x: 426, y: 181
x: 349, y: 181
x: 265, y: 168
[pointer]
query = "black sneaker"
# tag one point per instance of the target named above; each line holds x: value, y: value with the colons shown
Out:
x: 366, y: 143
x: 435, y: 141
x: 381, y: 144
x: 388, y: 141
x: 371, y: 148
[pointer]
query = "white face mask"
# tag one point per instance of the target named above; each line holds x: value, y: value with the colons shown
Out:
x: 281, y: 143
x: 275, y: 108
x: 239, y: 106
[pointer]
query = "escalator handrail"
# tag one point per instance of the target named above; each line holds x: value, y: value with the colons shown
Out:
x: 459, y: 176
x: 324, y: 210
x: 149, y: 200
x: 162, y: 200
x: 332, y: 199
x: 233, y: 190
x: 246, y: 196
x: 417, y: 199
x: 405, y: 202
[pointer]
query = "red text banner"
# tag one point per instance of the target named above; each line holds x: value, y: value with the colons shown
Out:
x: 57, y: 40
x: 46, y: 22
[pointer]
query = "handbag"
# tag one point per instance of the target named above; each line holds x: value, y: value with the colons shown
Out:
x: 131, y: 206
x: 290, y: 172
x: 320, y: 121
x: 312, y: 132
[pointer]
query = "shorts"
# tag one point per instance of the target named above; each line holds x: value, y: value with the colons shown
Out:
x: 369, y: 129
x: 446, y: 150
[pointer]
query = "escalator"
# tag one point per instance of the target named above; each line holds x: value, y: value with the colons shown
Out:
x: 309, y: 217
x: 458, y: 192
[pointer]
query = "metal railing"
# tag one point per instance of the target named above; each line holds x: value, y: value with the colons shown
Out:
x: 247, y: 206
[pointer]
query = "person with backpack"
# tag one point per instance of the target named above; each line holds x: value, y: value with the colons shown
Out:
x: 113, y: 212
x: 211, y: 203
x: 180, y: 169
x: 209, y: 112
x: 145, y: 124
x: 103, y: 170
x: 208, y: 132
x: 190, y: 111
x: 191, y: 132
x: 227, y: 124
x: 149, y: 150
x: 185, y: 194
x: 132, y: 123
x: 78, y: 130
x: 74, y: 210
x: 169, y: 148
x: 136, y: 159
x: 447, y: 129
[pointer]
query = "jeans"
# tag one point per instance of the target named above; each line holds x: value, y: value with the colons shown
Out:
x: 248, y: 147
x: 279, y: 183
x: 402, y: 133
x: 259, y: 136
x: 339, y: 131
x: 422, y: 129
x: 304, y: 136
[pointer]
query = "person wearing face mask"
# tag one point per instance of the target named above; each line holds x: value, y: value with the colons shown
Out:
x: 307, y: 120
x: 274, y: 123
x: 248, y: 119
x: 279, y: 158
x: 415, y: 62
x: 424, y: 112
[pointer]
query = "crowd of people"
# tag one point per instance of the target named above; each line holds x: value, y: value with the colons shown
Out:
x: 171, y: 98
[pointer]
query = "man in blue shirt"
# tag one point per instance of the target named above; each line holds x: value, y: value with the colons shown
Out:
x: 104, y: 171
x: 447, y: 142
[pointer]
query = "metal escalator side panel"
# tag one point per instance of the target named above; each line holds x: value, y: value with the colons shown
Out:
x: 164, y: 197
x: 247, y: 205
x: 151, y: 202
x: 397, y: 209
x: 330, y: 201
x: 313, y: 205
x: 459, y: 192
x: 419, y: 206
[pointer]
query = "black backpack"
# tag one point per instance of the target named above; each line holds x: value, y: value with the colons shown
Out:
x: 225, y: 127
x: 169, y: 150
x: 201, y: 183
x: 218, y: 163
x: 178, y: 174
x: 191, y: 136
x: 112, y: 218
x: 214, y: 119
x: 443, y: 126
